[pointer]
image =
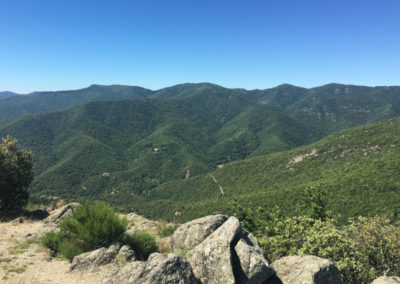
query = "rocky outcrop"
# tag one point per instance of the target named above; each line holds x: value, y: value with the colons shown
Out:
x: 61, y: 213
x: 193, y: 233
x: 228, y: 256
x: 387, y: 280
x: 159, y: 268
x: 95, y: 258
x: 252, y: 262
x: 305, y: 270
x: 125, y: 254
x: 140, y: 223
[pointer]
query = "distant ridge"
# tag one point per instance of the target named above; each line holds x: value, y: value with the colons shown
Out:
x: 38, y: 102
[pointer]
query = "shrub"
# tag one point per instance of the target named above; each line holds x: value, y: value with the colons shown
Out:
x: 69, y: 249
x: 166, y: 230
x: 52, y: 239
x: 92, y: 226
x: 363, y: 250
x: 95, y: 225
x: 142, y: 243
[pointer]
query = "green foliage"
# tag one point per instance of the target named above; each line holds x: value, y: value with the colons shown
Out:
x: 364, y: 249
x: 52, y: 240
x: 257, y: 220
x: 166, y: 230
x: 315, y: 200
x: 68, y: 249
x: 143, y: 243
x: 94, y: 225
x: 16, y: 174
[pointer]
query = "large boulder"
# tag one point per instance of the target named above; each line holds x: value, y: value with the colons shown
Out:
x: 305, y: 270
x: 61, y: 213
x: 229, y: 256
x: 387, y: 280
x: 252, y: 262
x: 211, y: 260
x: 95, y: 258
x: 191, y: 234
x: 159, y: 268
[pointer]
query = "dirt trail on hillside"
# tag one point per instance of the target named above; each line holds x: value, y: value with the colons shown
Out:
x: 24, y: 260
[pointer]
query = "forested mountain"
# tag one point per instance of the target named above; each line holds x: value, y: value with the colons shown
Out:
x: 136, y: 146
x: 328, y: 108
x: 38, y: 102
x: 358, y: 170
x: 143, y: 143
x: 4, y: 95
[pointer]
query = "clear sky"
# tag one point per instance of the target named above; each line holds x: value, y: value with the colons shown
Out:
x: 70, y: 44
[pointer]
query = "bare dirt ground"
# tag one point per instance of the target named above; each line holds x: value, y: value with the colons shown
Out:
x: 24, y: 260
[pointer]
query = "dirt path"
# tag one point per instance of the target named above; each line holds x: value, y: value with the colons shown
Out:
x: 215, y: 181
x: 24, y: 260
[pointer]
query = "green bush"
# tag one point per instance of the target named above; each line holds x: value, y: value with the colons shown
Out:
x: 363, y: 250
x: 142, y: 243
x: 95, y: 225
x: 92, y: 226
x: 52, y: 240
x: 69, y: 249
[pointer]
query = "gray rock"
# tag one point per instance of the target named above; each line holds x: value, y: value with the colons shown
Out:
x: 211, y: 259
x: 94, y: 258
x: 159, y: 268
x: 61, y: 213
x: 305, y: 270
x: 140, y: 223
x: 125, y: 254
x: 387, y: 280
x: 194, y: 232
x: 251, y: 262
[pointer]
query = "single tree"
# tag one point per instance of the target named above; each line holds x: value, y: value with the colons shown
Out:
x: 316, y: 201
x: 16, y: 174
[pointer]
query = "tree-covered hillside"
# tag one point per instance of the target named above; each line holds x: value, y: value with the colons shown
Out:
x: 4, y: 95
x: 37, y: 102
x: 328, y: 108
x: 358, y: 168
x: 94, y: 148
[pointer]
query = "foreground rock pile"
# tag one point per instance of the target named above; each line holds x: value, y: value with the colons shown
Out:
x: 212, y: 249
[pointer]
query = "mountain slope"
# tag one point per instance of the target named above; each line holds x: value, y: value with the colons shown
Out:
x: 325, y: 109
x: 39, y: 102
x: 358, y: 168
x: 4, y: 95
x: 135, y: 145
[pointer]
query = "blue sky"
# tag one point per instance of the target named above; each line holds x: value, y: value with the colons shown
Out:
x: 69, y: 44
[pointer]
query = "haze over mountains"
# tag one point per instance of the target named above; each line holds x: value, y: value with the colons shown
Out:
x: 135, y: 146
